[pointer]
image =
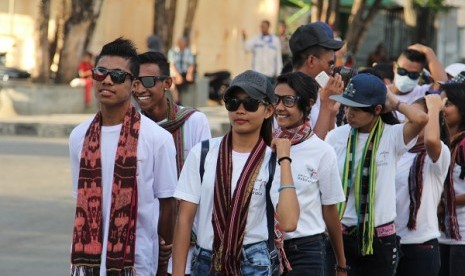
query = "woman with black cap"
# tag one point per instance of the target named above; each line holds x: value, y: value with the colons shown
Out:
x: 231, y: 197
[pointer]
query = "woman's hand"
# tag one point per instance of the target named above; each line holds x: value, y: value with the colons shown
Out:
x: 281, y: 146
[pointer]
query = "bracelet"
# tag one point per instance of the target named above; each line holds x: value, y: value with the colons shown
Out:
x: 339, y: 268
x: 284, y: 158
x: 282, y: 187
x: 397, y: 105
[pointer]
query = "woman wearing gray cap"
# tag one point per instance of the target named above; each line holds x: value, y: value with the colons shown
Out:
x: 368, y: 150
x: 227, y: 187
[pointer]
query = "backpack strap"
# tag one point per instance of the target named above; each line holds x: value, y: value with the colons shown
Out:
x: 203, y: 154
x: 269, y: 203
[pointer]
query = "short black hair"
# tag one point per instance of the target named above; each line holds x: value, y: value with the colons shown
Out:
x: 455, y: 93
x: 305, y: 88
x: 298, y: 60
x: 414, y: 56
x: 266, y: 22
x: 158, y: 59
x: 124, y: 48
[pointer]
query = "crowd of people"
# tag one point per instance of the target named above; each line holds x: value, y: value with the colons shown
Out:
x: 361, y: 175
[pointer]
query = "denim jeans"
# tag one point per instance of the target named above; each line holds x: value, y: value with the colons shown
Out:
x: 383, y: 262
x: 256, y: 260
x: 306, y: 255
x: 452, y: 260
x: 419, y: 259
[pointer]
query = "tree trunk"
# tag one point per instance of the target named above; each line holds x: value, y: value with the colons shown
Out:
x: 190, y: 15
x: 316, y: 10
x: 42, y: 69
x: 360, y: 20
x: 165, y: 11
x: 78, y: 30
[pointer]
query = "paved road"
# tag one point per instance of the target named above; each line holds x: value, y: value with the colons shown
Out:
x: 36, y: 206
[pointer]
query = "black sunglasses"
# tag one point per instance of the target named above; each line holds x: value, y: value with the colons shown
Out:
x: 403, y: 72
x: 117, y: 76
x: 251, y: 105
x: 151, y: 81
x: 287, y: 100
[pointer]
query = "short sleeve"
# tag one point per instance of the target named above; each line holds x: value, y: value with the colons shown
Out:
x: 330, y: 180
x: 165, y: 171
x: 189, y: 185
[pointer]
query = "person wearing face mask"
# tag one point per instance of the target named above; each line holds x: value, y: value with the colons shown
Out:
x: 407, y: 72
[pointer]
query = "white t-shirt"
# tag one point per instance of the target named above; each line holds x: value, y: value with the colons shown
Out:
x: 195, y: 130
x: 190, y: 189
x: 317, y: 181
x: 266, y: 51
x: 418, y: 92
x: 313, y: 116
x: 156, y: 178
x: 459, y: 188
x: 391, y: 148
x: 434, y: 174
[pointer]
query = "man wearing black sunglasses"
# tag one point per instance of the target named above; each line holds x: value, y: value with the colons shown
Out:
x: 187, y: 125
x: 124, y: 175
x: 408, y: 70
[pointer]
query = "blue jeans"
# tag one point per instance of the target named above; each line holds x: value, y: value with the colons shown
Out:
x: 419, y: 259
x: 256, y: 260
x: 383, y: 262
x: 306, y: 255
x: 452, y: 260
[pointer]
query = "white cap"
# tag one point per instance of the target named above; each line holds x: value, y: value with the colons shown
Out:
x: 455, y: 68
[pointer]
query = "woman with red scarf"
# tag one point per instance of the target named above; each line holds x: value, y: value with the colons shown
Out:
x: 314, y: 171
x: 452, y: 207
x: 231, y: 199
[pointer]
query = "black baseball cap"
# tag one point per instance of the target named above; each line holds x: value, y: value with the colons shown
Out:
x: 363, y: 90
x: 255, y: 84
x: 310, y: 35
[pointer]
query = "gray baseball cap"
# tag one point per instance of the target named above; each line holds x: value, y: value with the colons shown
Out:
x: 255, y: 84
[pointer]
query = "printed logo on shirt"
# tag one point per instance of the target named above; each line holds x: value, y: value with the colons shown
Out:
x: 259, y: 187
x: 381, y: 159
x: 311, y: 177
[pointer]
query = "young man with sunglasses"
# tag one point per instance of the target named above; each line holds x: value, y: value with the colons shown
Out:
x: 187, y: 125
x: 124, y: 170
x: 313, y: 51
x: 407, y: 72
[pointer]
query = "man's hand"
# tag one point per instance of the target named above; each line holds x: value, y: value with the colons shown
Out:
x: 164, y: 255
x: 335, y: 86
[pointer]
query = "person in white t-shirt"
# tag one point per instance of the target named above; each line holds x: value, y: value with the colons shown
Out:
x: 122, y: 165
x: 452, y: 208
x: 314, y: 170
x: 407, y: 72
x: 187, y: 125
x: 419, y: 184
x: 367, y: 150
x: 313, y: 51
x: 266, y: 51
x: 230, y: 197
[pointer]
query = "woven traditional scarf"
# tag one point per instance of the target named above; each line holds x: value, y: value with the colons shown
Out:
x: 230, y: 212
x: 364, y: 183
x: 415, y: 184
x: 176, y: 119
x: 297, y: 134
x: 448, y: 219
x: 88, y: 227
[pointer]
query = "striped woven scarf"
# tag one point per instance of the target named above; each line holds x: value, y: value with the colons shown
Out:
x: 88, y: 228
x: 448, y: 218
x: 230, y: 210
x: 174, y: 124
x: 295, y: 135
x: 415, y: 184
x: 364, y: 183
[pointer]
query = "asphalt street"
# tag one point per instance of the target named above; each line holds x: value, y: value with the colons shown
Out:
x: 36, y: 206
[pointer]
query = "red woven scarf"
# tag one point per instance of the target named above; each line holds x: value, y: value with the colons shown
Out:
x: 230, y: 212
x: 295, y: 135
x: 448, y: 217
x: 88, y: 227
x: 415, y: 184
x: 176, y: 119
